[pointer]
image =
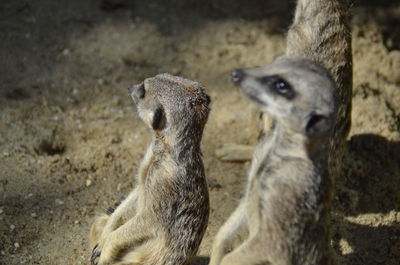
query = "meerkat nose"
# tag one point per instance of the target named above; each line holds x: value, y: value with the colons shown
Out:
x: 237, y: 76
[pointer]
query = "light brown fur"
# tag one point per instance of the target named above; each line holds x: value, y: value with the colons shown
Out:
x: 320, y: 32
x: 163, y: 220
x: 290, y: 184
x: 286, y: 205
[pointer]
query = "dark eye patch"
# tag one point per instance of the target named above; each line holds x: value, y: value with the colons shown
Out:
x: 141, y: 91
x: 279, y: 86
x: 158, y: 119
x: 318, y: 125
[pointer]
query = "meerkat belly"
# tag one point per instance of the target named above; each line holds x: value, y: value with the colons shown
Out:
x: 255, y: 203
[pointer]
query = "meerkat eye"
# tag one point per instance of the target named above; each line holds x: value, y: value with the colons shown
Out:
x: 279, y: 86
x: 282, y: 87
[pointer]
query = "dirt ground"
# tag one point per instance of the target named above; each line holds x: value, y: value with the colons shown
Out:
x: 71, y: 142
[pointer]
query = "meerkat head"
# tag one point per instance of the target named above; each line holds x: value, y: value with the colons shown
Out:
x: 169, y: 104
x: 296, y: 92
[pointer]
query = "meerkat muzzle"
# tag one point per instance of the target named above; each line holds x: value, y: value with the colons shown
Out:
x: 137, y: 92
x: 237, y: 76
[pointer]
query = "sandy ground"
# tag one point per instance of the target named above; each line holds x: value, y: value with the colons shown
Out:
x: 70, y: 140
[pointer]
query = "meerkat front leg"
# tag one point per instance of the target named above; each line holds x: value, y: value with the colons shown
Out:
x: 97, y: 228
x: 226, y: 233
x: 128, y: 236
x: 248, y: 253
x: 105, y: 224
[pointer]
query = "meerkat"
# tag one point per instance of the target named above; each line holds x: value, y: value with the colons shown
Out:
x: 320, y: 32
x: 291, y: 179
x: 163, y: 220
x: 286, y: 204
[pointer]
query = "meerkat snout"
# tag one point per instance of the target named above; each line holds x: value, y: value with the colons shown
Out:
x: 137, y: 92
x: 236, y: 76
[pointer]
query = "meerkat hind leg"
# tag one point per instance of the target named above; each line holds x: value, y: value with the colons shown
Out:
x: 248, y: 253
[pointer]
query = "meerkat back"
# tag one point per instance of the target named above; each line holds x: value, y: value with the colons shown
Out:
x: 321, y: 32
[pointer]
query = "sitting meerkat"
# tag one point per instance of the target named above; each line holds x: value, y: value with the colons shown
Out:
x: 163, y: 220
x: 286, y: 205
x: 291, y: 180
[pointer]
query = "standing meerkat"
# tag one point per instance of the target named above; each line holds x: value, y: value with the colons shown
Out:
x: 306, y: 120
x: 320, y: 32
x: 163, y: 220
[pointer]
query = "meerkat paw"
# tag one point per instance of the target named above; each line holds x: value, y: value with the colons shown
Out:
x: 235, y: 152
x: 107, y: 251
x: 101, y: 255
x: 95, y: 254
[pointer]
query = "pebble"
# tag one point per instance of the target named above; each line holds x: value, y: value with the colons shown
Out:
x: 12, y: 227
x: 59, y: 202
x: 65, y: 52
x: 16, y: 245
x: 33, y: 214
x: 88, y: 182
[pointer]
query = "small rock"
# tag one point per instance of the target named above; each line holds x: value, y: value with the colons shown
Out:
x: 59, y: 202
x: 116, y: 139
x: 33, y: 214
x: 88, y: 182
x: 16, y: 245
x: 12, y: 227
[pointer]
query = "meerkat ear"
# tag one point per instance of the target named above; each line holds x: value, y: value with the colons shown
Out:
x: 159, y: 119
x: 318, y: 125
